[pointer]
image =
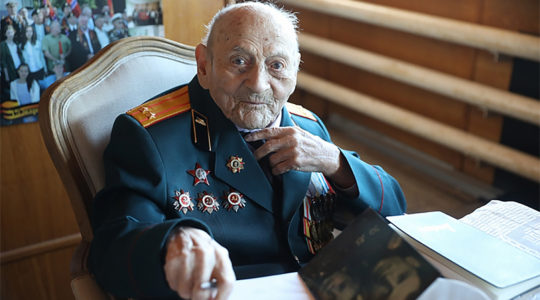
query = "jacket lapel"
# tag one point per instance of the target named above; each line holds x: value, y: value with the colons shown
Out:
x: 249, y: 181
x: 226, y: 142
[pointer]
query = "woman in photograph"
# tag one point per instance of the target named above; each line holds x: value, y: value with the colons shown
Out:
x: 10, y: 59
x: 24, y: 90
x: 33, y: 55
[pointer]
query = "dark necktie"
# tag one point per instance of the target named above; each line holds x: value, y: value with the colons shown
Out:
x: 264, y: 162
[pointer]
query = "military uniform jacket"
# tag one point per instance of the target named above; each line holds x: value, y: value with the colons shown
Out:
x: 150, y: 161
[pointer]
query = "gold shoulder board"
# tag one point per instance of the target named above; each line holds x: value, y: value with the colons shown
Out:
x: 299, y: 110
x: 162, y: 108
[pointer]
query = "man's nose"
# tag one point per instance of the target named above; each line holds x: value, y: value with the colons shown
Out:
x: 258, y: 79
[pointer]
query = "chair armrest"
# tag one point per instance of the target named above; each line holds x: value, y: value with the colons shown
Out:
x: 83, y: 284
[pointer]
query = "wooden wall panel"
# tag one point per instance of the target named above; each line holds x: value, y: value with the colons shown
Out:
x: 185, y: 20
x: 34, y: 208
x: 463, y: 10
x: 34, y: 204
x: 461, y: 61
x: 39, y: 277
x: 523, y: 15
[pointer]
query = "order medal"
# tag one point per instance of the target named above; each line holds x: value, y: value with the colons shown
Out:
x: 199, y: 174
x: 207, y: 203
x: 234, y: 200
x: 235, y: 164
x: 183, y: 201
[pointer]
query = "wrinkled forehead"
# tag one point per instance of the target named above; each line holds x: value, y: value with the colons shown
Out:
x: 267, y: 27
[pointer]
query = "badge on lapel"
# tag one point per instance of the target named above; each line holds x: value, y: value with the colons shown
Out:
x: 235, y: 164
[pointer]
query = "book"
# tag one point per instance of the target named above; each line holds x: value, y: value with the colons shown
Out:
x: 368, y: 260
x: 492, y: 248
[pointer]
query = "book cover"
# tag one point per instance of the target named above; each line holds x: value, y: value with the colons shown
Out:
x: 368, y: 260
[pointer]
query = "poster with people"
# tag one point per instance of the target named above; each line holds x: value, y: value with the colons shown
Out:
x: 43, y: 41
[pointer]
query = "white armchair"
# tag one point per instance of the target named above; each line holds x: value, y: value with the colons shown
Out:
x: 76, y: 117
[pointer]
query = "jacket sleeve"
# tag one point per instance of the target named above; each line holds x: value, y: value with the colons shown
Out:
x: 376, y: 188
x: 129, y: 216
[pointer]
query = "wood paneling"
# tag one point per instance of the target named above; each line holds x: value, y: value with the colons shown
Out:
x: 34, y: 208
x: 185, y: 20
x: 44, y: 277
x: 34, y: 204
x: 453, y: 59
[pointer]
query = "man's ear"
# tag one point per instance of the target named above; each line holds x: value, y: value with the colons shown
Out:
x: 201, y: 56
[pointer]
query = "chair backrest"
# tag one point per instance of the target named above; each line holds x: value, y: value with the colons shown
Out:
x: 77, y: 113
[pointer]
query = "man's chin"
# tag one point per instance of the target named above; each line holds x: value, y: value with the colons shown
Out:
x: 253, y: 122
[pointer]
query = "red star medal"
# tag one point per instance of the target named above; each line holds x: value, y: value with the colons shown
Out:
x: 207, y: 203
x: 235, y: 164
x: 183, y: 201
x: 234, y: 200
x: 200, y: 175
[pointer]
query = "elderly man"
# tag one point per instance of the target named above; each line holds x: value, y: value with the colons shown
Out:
x: 85, y: 43
x: 191, y: 200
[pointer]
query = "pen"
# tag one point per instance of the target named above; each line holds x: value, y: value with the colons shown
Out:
x: 212, y: 284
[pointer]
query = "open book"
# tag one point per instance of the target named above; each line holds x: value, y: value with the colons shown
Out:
x: 496, y: 248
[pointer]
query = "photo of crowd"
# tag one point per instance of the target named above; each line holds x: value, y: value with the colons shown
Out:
x: 42, y: 43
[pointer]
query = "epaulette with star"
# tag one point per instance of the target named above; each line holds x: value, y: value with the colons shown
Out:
x: 162, y: 108
x: 299, y: 110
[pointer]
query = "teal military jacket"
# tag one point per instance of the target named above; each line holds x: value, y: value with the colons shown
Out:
x: 172, y: 155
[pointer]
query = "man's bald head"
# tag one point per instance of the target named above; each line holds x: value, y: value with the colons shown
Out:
x: 268, y: 15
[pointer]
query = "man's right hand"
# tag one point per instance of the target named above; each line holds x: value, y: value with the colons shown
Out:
x: 194, y: 258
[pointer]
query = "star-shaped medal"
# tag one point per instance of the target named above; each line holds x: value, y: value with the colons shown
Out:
x: 235, y: 164
x: 207, y: 203
x: 234, y: 200
x: 183, y: 201
x: 199, y: 174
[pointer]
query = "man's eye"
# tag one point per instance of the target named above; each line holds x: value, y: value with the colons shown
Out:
x: 238, y: 61
x: 277, y: 66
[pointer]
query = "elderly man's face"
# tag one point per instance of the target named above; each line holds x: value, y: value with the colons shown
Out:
x: 250, y: 67
x: 83, y: 21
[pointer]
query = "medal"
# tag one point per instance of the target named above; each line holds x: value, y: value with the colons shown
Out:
x: 207, y: 203
x: 318, y: 209
x: 199, y: 174
x: 235, y: 164
x: 234, y: 200
x: 183, y: 201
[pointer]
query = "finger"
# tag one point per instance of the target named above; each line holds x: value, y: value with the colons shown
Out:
x: 204, y: 253
x: 287, y: 165
x: 223, y: 272
x: 275, y: 145
x: 268, y: 133
x: 178, y: 273
x: 178, y: 263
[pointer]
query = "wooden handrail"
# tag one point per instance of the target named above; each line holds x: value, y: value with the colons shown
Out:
x: 485, y: 97
x: 498, y: 155
x: 40, y: 248
x: 459, y: 32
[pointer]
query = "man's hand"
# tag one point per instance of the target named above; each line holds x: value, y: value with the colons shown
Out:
x: 194, y: 258
x: 292, y: 148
